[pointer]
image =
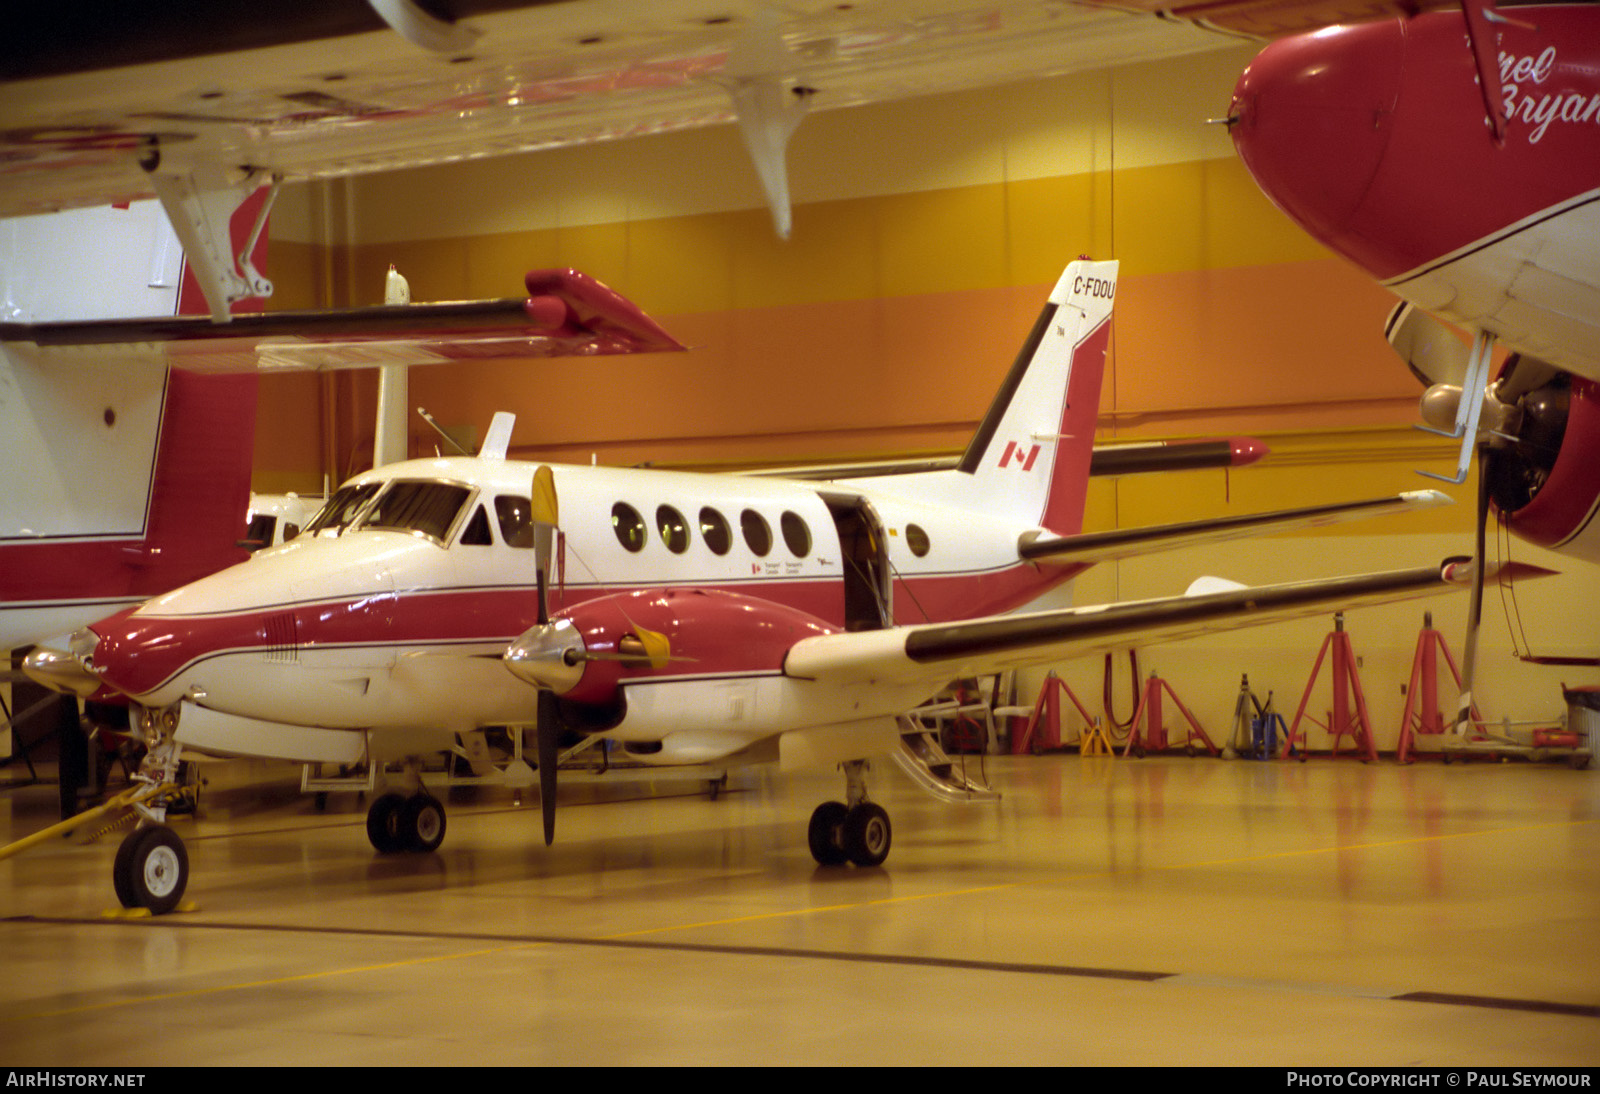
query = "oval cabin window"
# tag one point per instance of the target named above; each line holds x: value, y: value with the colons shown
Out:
x: 796, y: 534
x: 757, y: 532
x: 673, y: 528
x: 628, y: 525
x: 917, y: 540
x: 714, y: 530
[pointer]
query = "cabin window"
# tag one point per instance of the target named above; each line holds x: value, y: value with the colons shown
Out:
x: 796, y: 534
x: 757, y: 532
x: 477, y: 530
x: 516, y: 520
x: 426, y: 508
x: 341, y: 509
x: 673, y: 528
x: 628, y: 525
x: 715, y: 531
x: 917, y: 540
x: 290, y: 531
x: 259, y: 534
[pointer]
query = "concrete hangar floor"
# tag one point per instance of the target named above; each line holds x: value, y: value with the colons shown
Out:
x: 1155, y: 911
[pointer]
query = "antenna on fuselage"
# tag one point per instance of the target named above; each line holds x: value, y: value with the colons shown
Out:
x: 439, y: 429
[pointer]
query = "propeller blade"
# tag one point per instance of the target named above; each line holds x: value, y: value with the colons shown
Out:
x: 657, y: 646
x: 546, y: 517
x: 548, y: 730
x: 1469, y: 653
x: 545, y: 508
x: 1429, y: 347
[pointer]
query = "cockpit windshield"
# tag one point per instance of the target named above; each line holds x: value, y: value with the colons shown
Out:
x: 342, y: 508
x: 427, y: 508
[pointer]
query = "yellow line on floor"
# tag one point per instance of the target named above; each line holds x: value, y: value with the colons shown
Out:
x: 794, y: 913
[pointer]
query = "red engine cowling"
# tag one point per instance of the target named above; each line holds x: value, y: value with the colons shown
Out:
x: 1546, y: 485
x: 709, y: 632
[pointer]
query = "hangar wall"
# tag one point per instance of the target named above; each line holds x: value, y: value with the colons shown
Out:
x: 926, y: 236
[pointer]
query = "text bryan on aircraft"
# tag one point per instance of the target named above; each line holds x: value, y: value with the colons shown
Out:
x: 691, y: 618
x: 1454, y: 157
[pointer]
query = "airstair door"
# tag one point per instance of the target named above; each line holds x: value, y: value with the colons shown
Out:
x: 864, y: 558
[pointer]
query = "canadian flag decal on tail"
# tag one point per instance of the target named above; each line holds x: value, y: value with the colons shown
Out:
x: 1016, y: 454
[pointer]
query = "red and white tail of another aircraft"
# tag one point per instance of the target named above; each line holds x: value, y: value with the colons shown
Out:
x: 1453, y: 156
x: 688, y: 618
x: 128, y: 442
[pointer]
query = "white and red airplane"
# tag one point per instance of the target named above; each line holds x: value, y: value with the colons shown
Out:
x: 1452, y: 156
x: 689, y: 618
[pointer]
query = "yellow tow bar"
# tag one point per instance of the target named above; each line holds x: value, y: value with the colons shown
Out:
x: 125, y: 800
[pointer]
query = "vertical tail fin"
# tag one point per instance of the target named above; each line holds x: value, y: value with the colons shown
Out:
x: 1030, y: 456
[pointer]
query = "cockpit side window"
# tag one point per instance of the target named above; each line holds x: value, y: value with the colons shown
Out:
x: 427, y: 508
x: 476, y: 533
x: 516, y: 520
x: 342, y: 508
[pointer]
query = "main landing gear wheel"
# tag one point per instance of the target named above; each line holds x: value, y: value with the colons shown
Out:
x: 860, y: 834
x: 866, y: 835
x: 152, y: 870
x: 823, y: 835
x: 421, y: 824
x: 397, y: 823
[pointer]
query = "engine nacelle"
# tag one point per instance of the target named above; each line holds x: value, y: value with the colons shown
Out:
x: 1546, y: 485
x: 587, y: 652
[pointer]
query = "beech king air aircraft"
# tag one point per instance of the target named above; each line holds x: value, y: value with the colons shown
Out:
x: 689, y: 618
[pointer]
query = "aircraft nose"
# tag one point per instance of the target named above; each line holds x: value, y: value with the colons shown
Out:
x: 1312, y: 117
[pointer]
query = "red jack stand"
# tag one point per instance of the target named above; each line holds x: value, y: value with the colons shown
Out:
x: 1155, y: 738
x: 1424, y: 690
x: 1047, y: 710
x: 1346, y: 685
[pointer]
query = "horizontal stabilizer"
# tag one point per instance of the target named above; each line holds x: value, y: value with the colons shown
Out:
x: 1127, y: 542
x: 566, y: 314
x: 936, y: 652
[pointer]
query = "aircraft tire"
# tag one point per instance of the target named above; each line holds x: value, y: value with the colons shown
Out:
x: 383, y: 824
x: 420, y: 823
x: 151, y: 870
x: 823, y: 834
x: 866, y: 835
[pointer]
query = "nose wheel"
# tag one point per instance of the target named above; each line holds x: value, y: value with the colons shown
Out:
x: 399, y: 823
x: 151, y: 870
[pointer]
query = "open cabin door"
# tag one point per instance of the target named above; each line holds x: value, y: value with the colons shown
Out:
x: 863, y: 556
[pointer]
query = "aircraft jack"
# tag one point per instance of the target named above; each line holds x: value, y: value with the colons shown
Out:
x: 1422, y: 714
x: 1045, y: 722
x: 1346, y: 687
x: 1154, y: 738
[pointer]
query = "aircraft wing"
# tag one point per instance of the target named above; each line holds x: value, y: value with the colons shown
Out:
x: 1126, y: 542
x: 95, y: 107
x: 566, y: 314
x: 1107, y: 460
x: 944, y: 651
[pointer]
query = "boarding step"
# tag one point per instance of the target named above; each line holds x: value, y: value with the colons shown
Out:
x: 921, y: 758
